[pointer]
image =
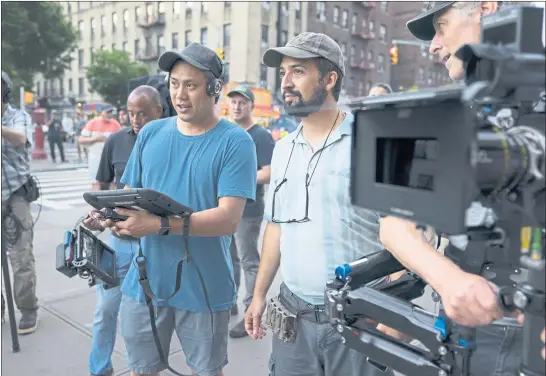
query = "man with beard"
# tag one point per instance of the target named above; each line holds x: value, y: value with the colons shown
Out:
x: 312, y: 226
x: 244, y: 248
x: 144, y: 105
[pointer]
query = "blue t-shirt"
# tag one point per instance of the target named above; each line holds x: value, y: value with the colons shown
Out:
x: 195, y: 171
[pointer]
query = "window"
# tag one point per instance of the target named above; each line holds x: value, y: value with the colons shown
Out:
x: 321, y: 11
x: 353, y: 23
x: 345, y: 19
x: 336, y: 15
x: 204, y: 36
x: 284, y: 8
x: 189, y: 7
x: 226, y: 72
x: 362, y: 55
x: 429, y: 81
x: 384, y: 6
x: 92, y: 54
x: 381, y: 63
x: 125, y: 19
x: 138, y: 14
x: 137, y: 48
x: 102, y: 25
x: 70, y: 86
x: 187, y: 38
x: 161, y: 9
x: 353, y: 53
x: 160, y: 45
x: 361, y: 89
x: 383, y: 33
x: 265, y: 36
x: 265, y: 5
x: 149, y: 13
x: 174, y: 39
x: 81, y: 88
x: 421, y: 75
x: 226, y: 35
x: 125, y: 46
x: 372, y: 26
x: 80, y: 58
x: 263, y: 76
x: 363, y: 24
x: 81, y: 29
x: 370, y: 56
x: 177, y: 7
x: 297, y: 5
x: 284, y: 37
x: 344, y: 50
x: 114, y: 21
x: 148, y: 46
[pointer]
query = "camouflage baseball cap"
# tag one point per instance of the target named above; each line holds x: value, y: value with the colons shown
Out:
x: 243, y: 90
x: 307, y: 46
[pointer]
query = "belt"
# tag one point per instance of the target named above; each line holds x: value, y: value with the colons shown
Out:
x: 301, y: 308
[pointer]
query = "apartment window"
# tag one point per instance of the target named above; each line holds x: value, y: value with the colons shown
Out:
x: 429, y: 81
x: 372, y: 26
x: 138, y: 14
x: 297, y: 5
x: 363, y: 24
x: 336, y: 15
x: 93, y: 27
x: 284, y: 8
x: 114, y: 21
x: 226, y: 35
x: 125, y: 46
x: 362, y: 55
x: 174, y: 39
x: 160, y: 45
x: 353, y: 53
x: 81, y: 28
x: 177, y: 7
x: 148, y: 46
x: 284, y: 37
x: 125, y: 19
x: 383, y: 33
x: 70, y: 86
x: 81, y: 88
x: 204, y: 36
x: 345, y: 19
x: 381, y: 63
x: 265, y: 36
x: 263, y: 76
x: 137, y: 48
x: 102, y: 25
x: 189, y: 7
x: 384, y: 6
x: 187, y: 38
x: 92, y: 54
x: 370, y: 56
x: 353, y: 23
x: 321, y: 11
x: 80, y: 58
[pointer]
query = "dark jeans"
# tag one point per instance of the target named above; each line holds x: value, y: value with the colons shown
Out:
x: 59, y: 143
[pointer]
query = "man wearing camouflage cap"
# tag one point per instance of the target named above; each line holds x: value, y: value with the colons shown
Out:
x: 311, y: 225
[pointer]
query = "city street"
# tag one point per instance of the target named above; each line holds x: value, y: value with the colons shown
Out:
x: 62, y: 342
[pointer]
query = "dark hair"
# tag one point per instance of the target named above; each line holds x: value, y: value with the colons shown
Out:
x: 326, y: 66
x: 383, y: 86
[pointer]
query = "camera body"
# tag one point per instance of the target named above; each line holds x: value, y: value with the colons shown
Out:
x: 84, y: 254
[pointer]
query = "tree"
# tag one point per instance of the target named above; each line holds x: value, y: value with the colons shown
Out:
x: 110, y: 72
x: 36, y: 38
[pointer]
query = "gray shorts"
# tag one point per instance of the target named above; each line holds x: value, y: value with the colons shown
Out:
x: 205, y: 351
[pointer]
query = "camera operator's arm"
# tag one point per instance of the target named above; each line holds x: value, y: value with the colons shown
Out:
x: 20, y: 133
x: 468, y: 299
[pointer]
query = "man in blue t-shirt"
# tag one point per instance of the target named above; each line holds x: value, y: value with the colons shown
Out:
x: 209, y: 165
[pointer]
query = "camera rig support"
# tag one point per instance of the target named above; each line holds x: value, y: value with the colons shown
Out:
x: 494, y: 145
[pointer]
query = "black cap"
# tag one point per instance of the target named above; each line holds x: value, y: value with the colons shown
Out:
x: 243, y: 90
x: 422, y: 26
x: 197, y: 55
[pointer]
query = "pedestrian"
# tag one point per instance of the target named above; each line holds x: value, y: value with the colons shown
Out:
x: 124, y: 117
x: 93, y: 135
x: 208, y: 164
x: 55, y: 133
x: 245, y: 245
x: 144, y: 105
x: 79, y: 125
x: 312, y: 225
x: 18, y: 191
x: 380, y: 89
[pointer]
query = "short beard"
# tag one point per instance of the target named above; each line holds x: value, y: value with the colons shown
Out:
x: 303, y: 108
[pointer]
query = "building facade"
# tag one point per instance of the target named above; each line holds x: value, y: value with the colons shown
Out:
x: 416, y: 67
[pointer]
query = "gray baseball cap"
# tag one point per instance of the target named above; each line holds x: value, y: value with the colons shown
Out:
x: 201, y: 57
x: 243, y: 90
x: 307, y: 46
x: 422, y: 26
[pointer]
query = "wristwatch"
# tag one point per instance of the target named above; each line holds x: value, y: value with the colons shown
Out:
x: 164, y: 229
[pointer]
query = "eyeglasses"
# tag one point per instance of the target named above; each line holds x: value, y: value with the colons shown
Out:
x: 307, y: 181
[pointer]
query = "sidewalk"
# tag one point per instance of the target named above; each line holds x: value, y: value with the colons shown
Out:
x: 47, y: 164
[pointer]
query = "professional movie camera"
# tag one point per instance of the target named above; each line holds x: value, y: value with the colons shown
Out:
x: 438, y: 153
x: 83, y: 254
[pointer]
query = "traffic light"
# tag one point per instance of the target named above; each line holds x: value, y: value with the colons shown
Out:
x: 220, y: 53
x: 28, y: 97
x: 394, y: 55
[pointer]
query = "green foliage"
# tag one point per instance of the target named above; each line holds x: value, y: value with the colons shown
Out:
x: 36, y: 38
x: 110, y: 73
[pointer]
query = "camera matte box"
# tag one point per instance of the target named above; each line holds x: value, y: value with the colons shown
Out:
x: 437, y: 115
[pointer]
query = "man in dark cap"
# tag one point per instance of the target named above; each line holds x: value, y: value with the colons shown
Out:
x: 312, y: 227
x: 467, y: 298
x: 245, y: 247
x: 208, y: 164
